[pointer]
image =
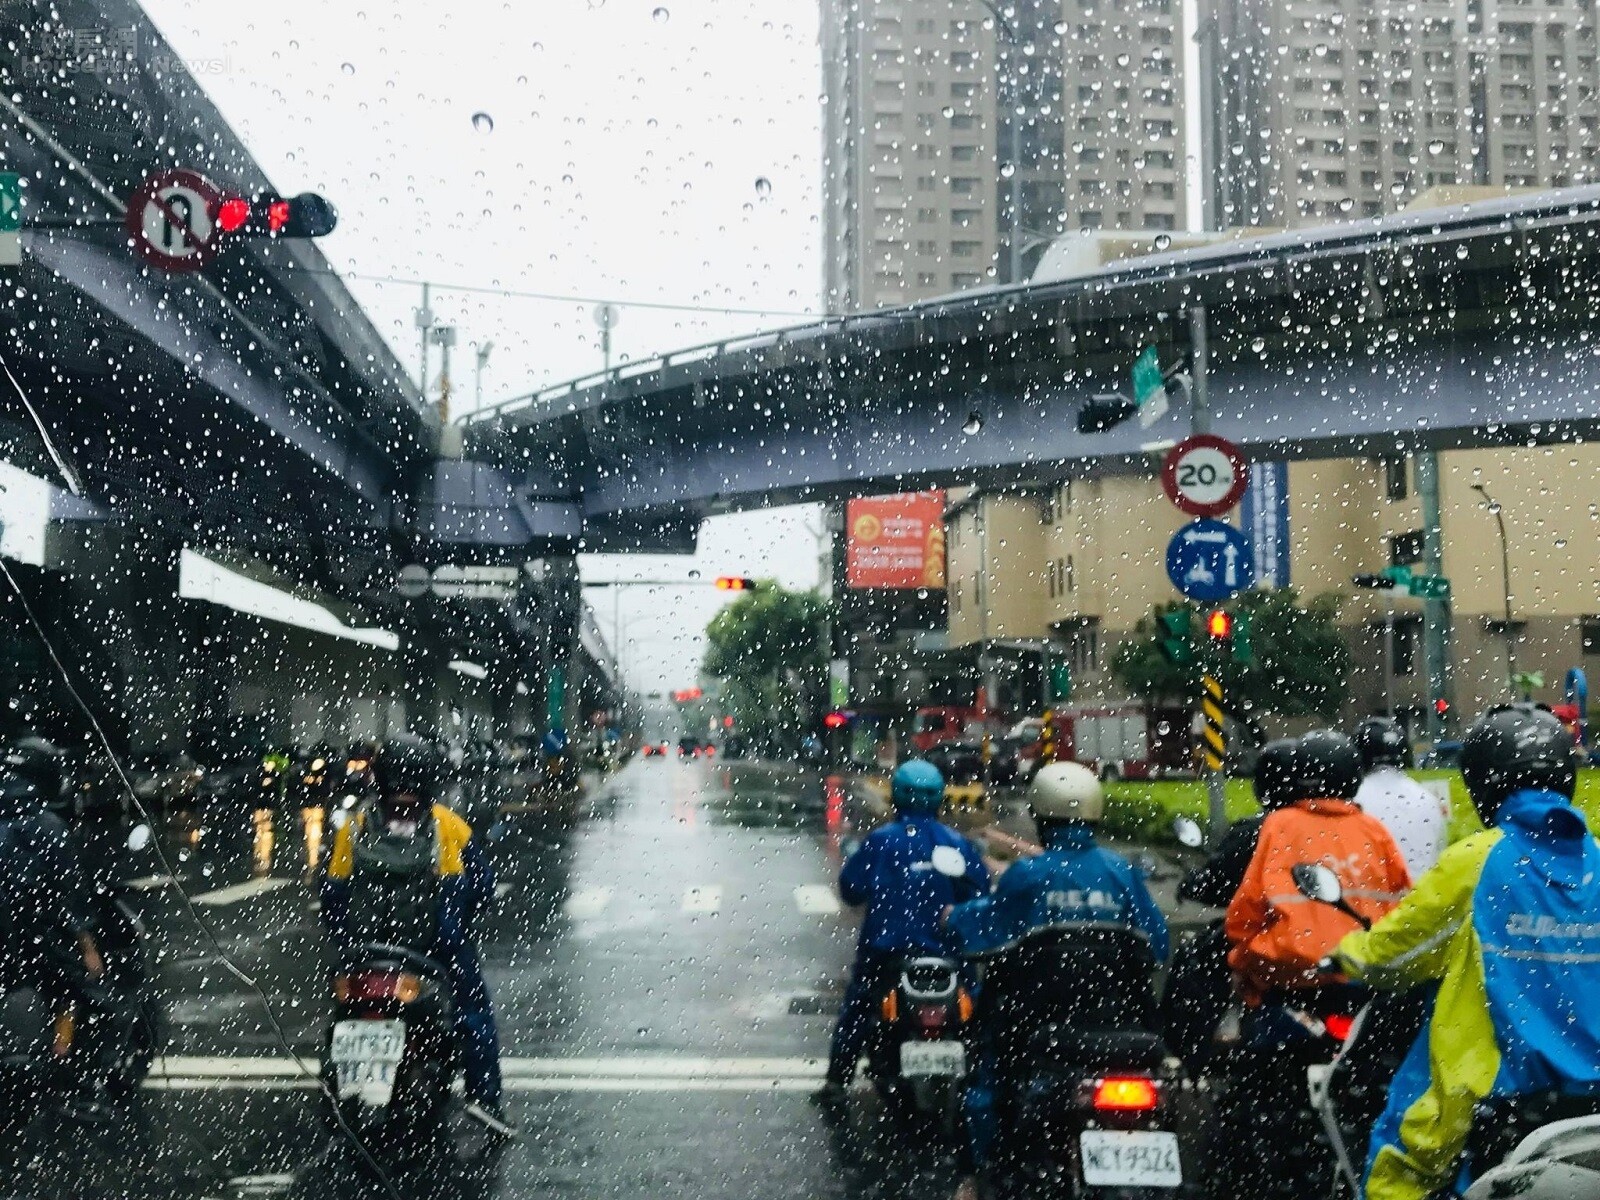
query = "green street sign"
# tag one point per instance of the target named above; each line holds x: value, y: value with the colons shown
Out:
x: 1147, y: 380
x: 1401, y: 575
x: 1429, y: 587
x: 10, y: 202
x: 1060, y: 681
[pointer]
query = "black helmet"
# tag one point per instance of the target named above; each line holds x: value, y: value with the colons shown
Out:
x: 408, y: 763
x: 1513, y: 747
x: 1275, y: 778
x: 1382, y: 743
x: 1326, y: 764
x: 41, y: 763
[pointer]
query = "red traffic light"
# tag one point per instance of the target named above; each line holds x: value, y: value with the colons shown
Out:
x: 734, y: 583
x: 1442, y: 707
x: 835, y: 720
x: 305, y: 216
x: 1219, y: 624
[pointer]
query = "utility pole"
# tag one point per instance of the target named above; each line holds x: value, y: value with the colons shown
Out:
x: 445, y: 335
x: 605, y: 316
x: 424, y: 320
x: 482, y: 354
x: 1497, y: 511
x: 1435, y: 612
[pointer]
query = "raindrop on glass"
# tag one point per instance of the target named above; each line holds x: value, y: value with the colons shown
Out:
x: 1163, y: 241
x: 348, y: 68
x: 974, y: 423
x: 1259, y: 345
x: 660, y: 16
x: 483, y: 122
x: 1007, y: 171
x: 763, y: 186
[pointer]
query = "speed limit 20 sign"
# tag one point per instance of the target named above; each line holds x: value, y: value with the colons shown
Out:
x: 1204, y: 475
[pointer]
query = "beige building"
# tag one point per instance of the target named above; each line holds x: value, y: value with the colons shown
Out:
x: 1319, y: 110
x: 936, y: 114
x: 1081, y: 564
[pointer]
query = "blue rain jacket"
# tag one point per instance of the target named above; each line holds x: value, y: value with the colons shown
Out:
x: 892, y: 874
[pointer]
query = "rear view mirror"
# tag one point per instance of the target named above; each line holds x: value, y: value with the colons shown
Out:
x: 947, y: 860
x: 1317, y: 882
x: 1188, y: 832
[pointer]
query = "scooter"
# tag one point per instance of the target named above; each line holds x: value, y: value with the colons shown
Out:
x: 391, y: 1052
x: 1541, y: 1146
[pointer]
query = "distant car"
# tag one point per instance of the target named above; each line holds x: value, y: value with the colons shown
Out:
x: 689, y: 747
x: 653, y: 749
x: 958, y: 762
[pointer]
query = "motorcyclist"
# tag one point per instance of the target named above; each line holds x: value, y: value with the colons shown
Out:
x: 1072, y: 881
x: 1508, y: 926
x: 1278, y: 936
x: 407, y: 871
x: 47, y: 940
x: 1199, y: 988
x: 1415, y: 816
x: 892, y: 874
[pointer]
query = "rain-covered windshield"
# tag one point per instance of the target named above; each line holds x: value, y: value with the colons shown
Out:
x: 840, y: 598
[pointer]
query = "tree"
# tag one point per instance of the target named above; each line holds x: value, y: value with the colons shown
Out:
x: 1299, y: 663
x: 769, y: 646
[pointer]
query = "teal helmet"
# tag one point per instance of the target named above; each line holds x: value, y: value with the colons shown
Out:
x: 917, y: 789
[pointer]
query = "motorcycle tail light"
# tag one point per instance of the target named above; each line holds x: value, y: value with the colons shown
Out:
x: 1339, y: 1026
x: 964, y: 1006
x: 1125, y: 1093
x: 930, y: 1016
x: 371, y: 986
x: 890, y: 1007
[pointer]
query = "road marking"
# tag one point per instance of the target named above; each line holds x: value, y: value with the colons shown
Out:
x: 502, y: 890
x: 588, y: 902
x: 242, y: 891
x: 816, y: 898
x: 621, y: 1073
x: 702, y: 899
x: 149, y: 883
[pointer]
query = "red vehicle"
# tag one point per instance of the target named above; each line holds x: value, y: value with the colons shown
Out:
x: 1121, y: 741
x: 946, y: 723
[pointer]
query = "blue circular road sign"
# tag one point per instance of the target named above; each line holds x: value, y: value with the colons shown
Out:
x: 1210, y: 560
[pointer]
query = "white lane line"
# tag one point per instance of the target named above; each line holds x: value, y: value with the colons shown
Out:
x: 816, y: 898
x: 242, y: 891
x: 702, y: 900
x: 588, y: 902
x: 514, y: 1083
x: 149, y: 883
x: 263, y: 1068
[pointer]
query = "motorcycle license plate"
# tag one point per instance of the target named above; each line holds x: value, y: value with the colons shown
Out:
x: 365, y: 1055
x: 1134, y: 1158
x: 932, y: 1058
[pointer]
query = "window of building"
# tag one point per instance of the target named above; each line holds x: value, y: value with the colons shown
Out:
x: 1407, y: 641
x: 964, y: 279
x: 927, y: 279
x: 1083, y: 647
x: 1405, y: 549
x: 966, y: 249
x: 964, y: 185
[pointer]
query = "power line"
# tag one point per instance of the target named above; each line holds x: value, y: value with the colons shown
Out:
x: 559, y: 298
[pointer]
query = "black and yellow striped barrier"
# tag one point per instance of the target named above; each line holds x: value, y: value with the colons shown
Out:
x: 1213, y: 745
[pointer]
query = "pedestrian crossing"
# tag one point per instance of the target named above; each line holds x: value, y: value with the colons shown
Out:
x: 810, y: 899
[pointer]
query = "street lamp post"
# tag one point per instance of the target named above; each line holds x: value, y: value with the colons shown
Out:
x: 1005, y: 30
x: 482, y: 354
x: 1498, y: 513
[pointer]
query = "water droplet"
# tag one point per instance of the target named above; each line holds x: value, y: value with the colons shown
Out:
x: 348, y: 68
x: 483, y: 122
x: 1462, y: 251
x: 974, y: 423
x: 763, y: 186
x: 1007, y: 170
x: 660, y: 16
x: 1346, y: 204
x: 1163, y: 241
x: 1435, y: 147
x: 1259, y: 345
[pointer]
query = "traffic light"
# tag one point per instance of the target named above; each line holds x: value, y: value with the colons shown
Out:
x: 1242, y: 651
x: 1175, y: 647
x: 307, y: 215
x: 1219, y: 625
x: 1442, y: 707
x: 1379, y: 583
x: 734, y: 583
x: 835, y: 720
x: 684, y: 695
x: 1105, y: 412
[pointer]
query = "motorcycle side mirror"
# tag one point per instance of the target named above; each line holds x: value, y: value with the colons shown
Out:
x: 138, y: 837
x: 1188, y: 832
x: 947, y: 860
x: 1317, y: 882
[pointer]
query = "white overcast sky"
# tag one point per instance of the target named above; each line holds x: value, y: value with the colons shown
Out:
x: 628, y: 138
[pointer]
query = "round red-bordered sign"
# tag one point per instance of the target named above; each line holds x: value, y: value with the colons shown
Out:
x: 1204, y: 475
x: 172, y: 219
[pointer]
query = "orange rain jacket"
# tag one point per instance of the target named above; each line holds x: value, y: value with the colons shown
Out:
x: 1278, y: 935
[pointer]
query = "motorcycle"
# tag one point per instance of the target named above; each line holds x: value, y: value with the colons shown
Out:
x: 1090, y: 1095
x: 1541, y: 1146
x: 390, y: 1057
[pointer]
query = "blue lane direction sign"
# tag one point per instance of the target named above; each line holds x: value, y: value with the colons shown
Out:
x: 1209, y: 561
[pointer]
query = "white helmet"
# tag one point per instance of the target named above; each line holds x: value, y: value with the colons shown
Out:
x: 1066, y: 791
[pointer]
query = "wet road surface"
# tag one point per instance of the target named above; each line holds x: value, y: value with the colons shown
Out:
x: 665, y: 975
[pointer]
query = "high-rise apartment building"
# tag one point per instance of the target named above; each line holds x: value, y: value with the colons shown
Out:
x: 1318, y: 110
x: 943, y: 117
